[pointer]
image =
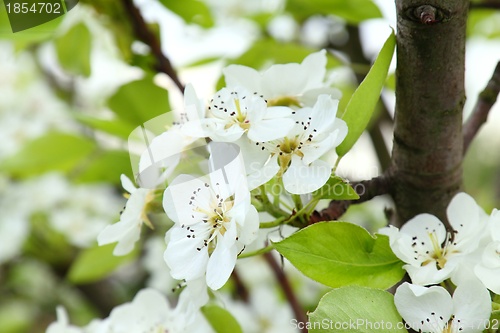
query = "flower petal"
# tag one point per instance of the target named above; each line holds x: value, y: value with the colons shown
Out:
x: 465, y: 217
x: 221, y: 264
x: 472, y: 307
x: 424, y: 309
x: 243, y: 76
x: 182, y: 256
x: 488, y: 269
x: 301, y: 179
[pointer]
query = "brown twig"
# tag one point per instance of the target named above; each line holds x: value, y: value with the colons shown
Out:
x: 282, y: 279
x: 366, y: 189
x: 143, y: 33
x: 482, y: 108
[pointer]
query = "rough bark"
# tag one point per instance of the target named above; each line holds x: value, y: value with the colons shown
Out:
x: 427, y: 154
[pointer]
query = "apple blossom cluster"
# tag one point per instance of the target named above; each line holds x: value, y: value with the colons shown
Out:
x: 279, y: 125
x: 464, y: 262
x: 148, y: 312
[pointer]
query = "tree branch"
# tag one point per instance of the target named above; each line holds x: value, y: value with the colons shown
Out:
x: 366, y: 189
x: 427, y: 152
x: 143, y: 33
x: 485, y: 102
x: 287, y: 289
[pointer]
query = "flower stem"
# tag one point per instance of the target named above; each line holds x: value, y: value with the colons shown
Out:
x: 272, y: 224
x: 256, y: 253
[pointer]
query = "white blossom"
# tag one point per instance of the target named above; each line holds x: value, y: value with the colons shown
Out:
x: 296, y: 156
x: 165, y: 151
x: 214, y: 220
x: 127, y: 231
x: 234, y: 112
x: 434, y: 310
x: 432, y: 255
x: 285, y: 84
x: 62, y: 324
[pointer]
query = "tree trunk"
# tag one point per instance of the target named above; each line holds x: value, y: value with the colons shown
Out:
x: 427, y: 154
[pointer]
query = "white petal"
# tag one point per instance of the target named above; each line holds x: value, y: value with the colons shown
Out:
x: 488, y: 269
x: 429, y: 274
x: 425, y: 309
x: 238, y: 75
x: 178, y: 200
x: 494, y: 223
x: 259, y: 175
x: 301, y: 179
x: 221, y: 265
x: 472, y: 307
x: 181, y: 255
x: 422, y: 225
x: 465, y: 217
x: 270, y: 129
x: 250, y: 228
x: 284, y: 80
x: 127, y: 184
x: 310, y: 96
x: 315, y: 67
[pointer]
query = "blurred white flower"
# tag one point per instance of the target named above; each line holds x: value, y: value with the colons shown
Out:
x: 296, y: 157
x: 433, y: 255
x: 164, y: 153
x: 85, y: 212
x: 434, y: 310
x: 214, y: 220
x: 285, y: 84
x: 127, y: 231
x: 159, y: 273
x: 264, y: 312
x: 148, y: 312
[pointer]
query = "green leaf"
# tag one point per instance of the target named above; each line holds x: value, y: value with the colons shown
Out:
x: 139, y: 101
x: 96, y: 263
x: 115, y: 127
x: 355, y: 309
x: 191, y: 11
x: 336, y: 188
x: 105, y: 166
x: 362, y: 104
x: 340, y: 253
x: 73, y: 50
x: 53, y: 151
x: 220, y: 319
x: 353, y: 11
x: 484, y: 23
x: 22, y: 39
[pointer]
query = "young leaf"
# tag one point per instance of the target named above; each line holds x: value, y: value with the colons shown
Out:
x: 220, y: 319
x: 353, y: 11
x: 139, y: 101
x: 336, y: 188
x: 362, y: 104
x: 53, y: 151
x: 191, y: 11
x: 96, y: 263
x: 356, y: 309
x: 116, y: 127
x: 340, y: 253
x: 105, y: 166
x: 73, y: 50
